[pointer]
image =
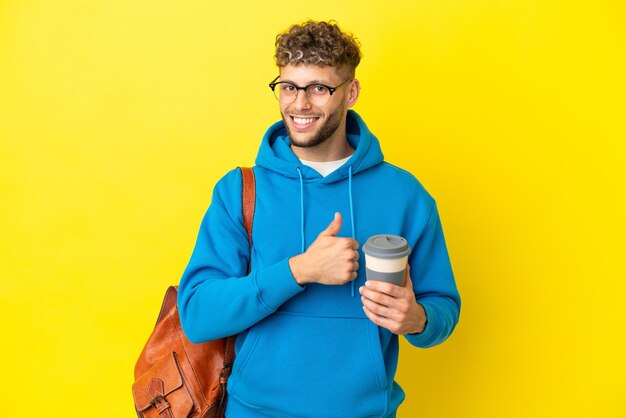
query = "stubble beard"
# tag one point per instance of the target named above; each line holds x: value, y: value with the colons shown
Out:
x: 328, y: 128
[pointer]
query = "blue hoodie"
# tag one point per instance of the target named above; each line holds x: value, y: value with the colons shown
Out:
x: 310, y: 351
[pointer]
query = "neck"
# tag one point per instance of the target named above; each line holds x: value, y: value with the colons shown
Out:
x: 318, y: 154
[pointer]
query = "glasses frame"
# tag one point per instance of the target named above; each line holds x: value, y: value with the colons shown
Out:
x: 330, y: 89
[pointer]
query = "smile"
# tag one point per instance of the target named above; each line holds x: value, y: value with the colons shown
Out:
x: 301, y: 122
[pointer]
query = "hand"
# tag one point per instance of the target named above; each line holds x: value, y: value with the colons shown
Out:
x: 393, y: 307
x: 330, y: 260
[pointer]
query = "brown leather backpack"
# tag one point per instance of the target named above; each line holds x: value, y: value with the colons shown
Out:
x: 175, y: 378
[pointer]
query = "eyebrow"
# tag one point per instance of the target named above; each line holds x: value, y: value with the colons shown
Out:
x: 312, y: 82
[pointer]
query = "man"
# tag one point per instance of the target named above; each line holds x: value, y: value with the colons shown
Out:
x: 314, y: 338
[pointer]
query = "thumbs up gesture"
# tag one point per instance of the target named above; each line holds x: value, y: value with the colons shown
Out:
x: 330, y: 260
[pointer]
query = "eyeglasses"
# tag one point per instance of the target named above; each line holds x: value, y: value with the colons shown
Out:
x: 317, y: 94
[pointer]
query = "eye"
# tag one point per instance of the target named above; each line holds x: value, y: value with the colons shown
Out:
x: 287, y: 88
x: 318, y: 89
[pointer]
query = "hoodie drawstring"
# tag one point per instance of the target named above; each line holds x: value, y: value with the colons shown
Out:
x: 351, y: 212
x: 301, y: 208
x: 351, y: 216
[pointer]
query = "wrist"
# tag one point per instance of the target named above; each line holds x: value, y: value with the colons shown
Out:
x: 295, y: 264
x: 421, y: 318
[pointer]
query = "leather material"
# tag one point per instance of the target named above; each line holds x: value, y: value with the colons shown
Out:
x: 175, y: 378
x: 249, y: 191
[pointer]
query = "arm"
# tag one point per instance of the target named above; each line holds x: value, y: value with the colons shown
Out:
x: 426, y: 310
x: 216, y: 296
x: 434, y: 286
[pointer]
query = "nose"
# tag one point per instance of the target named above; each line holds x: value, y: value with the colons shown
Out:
x: 301, y: 101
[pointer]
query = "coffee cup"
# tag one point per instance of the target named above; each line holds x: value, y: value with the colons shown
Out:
x: 386, y: 258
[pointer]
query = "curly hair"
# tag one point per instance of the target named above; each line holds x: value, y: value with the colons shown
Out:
x: 318, y: 43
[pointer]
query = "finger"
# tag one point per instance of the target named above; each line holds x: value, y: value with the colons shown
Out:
x: 372, y: 316
x: 378, y: 297
x: 353, y: 255
x: 386, y: 288
x: 379, y: 320
x: 334, y: 227
x: 376, y: 308
x: 408, y: 282
x: 355, y: 244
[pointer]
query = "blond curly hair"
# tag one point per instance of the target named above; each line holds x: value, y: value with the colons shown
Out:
x: 318, y: 43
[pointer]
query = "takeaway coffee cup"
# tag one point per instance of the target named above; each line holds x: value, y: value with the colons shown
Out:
x: 385, y: 258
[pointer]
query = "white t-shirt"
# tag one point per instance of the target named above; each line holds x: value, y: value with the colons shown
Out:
x: 325, y: 167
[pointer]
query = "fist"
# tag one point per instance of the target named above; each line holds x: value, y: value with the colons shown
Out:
x: 393, y: 307
x: 330, y: 260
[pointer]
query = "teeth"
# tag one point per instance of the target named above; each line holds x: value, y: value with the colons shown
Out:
x: 303, y: 121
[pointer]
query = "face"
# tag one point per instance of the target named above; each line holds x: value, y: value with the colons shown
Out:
x: 309, y: 125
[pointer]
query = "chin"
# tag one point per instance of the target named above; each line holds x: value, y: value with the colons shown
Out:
x: 307, y: 141
x: 325, y: 128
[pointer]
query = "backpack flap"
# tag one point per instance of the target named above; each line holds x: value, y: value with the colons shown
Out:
x: 162, y: 387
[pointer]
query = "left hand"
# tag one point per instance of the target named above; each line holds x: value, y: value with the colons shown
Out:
x: 393, y: 307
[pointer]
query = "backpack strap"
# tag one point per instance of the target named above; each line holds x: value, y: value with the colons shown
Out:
x: 169, y: 301
x: 248, y: 200
x: 248, y: 197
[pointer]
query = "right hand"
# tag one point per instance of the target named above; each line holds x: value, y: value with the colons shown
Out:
x: 330, y: 260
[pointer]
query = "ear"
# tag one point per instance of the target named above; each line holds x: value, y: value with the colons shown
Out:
x: 354, y: 89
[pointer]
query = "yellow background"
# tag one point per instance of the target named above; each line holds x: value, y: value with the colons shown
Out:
x: 118, y: 117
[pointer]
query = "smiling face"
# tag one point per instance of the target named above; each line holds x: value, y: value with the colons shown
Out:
x: 309, y: 125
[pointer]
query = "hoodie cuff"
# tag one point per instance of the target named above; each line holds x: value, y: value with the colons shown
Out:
x: 276, y: 285
x: 424, y: 339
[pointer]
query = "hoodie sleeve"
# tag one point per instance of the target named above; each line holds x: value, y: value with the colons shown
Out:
x: 434, y: 285
x: 216, y: 295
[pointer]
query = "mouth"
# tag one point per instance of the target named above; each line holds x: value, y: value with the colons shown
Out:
x: 301, y: 122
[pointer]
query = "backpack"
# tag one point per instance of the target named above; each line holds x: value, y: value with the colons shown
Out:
x: 175, y: 378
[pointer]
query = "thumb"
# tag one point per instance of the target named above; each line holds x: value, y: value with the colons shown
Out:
x: 334, y: 226
x: 408, y: 282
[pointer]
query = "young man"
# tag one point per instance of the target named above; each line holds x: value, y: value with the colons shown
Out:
x: 314, y: 338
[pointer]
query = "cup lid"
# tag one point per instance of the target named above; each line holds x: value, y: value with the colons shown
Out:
x: 386, y: 246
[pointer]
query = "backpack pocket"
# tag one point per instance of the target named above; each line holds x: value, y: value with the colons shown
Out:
x: 162, y: 388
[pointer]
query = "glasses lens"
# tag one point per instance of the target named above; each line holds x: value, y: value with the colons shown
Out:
x: 318, y: 94
x: 285, y: 92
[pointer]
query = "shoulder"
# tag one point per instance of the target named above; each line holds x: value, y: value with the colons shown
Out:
x: 229, y: 184
x: 227, y: 192
x: 405, y: 182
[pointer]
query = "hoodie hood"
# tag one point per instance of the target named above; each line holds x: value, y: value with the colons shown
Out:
x: 275, y: 152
